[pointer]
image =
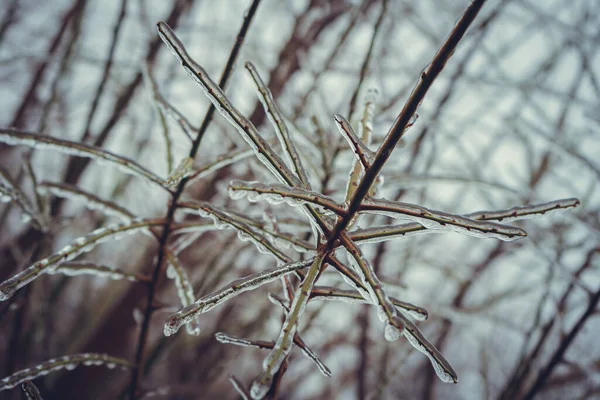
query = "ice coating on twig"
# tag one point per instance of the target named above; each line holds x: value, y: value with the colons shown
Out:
x: 283, y: 345
x: 225, y: 220
x: 299, y: 341
x: 36, y: 141
x: 239, y: 387
x: 526, y: 212
x: 276, y: 194
x: 9, y: 191
x: 366, y: 135
x: 76, y: 247
x: 206, y: 303
x: 91, y: 201
x: 65, y: 362
x: 220, y: 162
x: 432, y: 219
x: 88, y: 268
x: 371, y: 282
x: 274, y: 115
x: 247, y: 130
x: 351, y: 296
x: 185, y: 291
x: 441, y: 366
x: 31, y: 391
x: 381, y: 233
x: 362, y: 153
x: 181, y: 171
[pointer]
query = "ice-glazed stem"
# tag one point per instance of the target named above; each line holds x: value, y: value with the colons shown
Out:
x: 381, y: 233
x: 37, y: 141
x: 151, y: 83
x: 433, y: 219
x: 366, y: 135
x: 220, y: 162
x: 247, y: 130
x: 31, y: 391
x: 281, y: 129
x: 386, y: 310
x: 222, y: 219
x: 185, y: 291
x: 101, y: 271
x: 90, y: 200
x: 526, y: 212
x: 353, y: 296
x: 229, y: 291
x: 277, y: 193
x: 239, y: 387
x: 360, y: 150
x: 283, y: 345
x: 183, y: 170
x: 10, y: 191
x: 165, y: 108
x: 56, y: 364
x: 441, y: 366
x: 70, y: 251
x: 298, y: 341
x: 215, y: 94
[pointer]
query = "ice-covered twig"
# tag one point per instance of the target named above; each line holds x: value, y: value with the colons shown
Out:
x: 90, y: 200
x: 220, y: 162
x: 101, y: 271
x: 56, y: 364
x: 10, y: 192
x: 526, y: 212
x: 31, y: 391
x: 229, y: 291
x: 433, y: 219
x: 222, y: 220
x: 182, y: 171
x: 298, y: 341
x: 277, y: 193
x: 239, y: 387
x: 185, y: 291
x: 247, y: 130
x: 352, y: 296
x: 362, y: 152
x: 381, y: 233
x: 149, y: 79
x: 166, y: 108
x: 76, y: 247
x: 385, y: 308
x: 36, y: 141
x: 366, y: 135
x: 281, y: 129
x: 283, y: 345
x: 441, y: 366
